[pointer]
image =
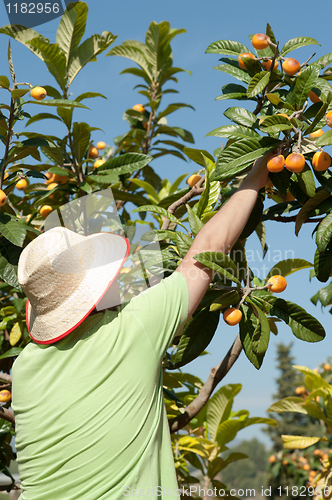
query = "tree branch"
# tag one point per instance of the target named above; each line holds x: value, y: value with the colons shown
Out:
x: 8, y: 415
x: 216, y: 375
x: 6, y: 377
x: 197, y: 189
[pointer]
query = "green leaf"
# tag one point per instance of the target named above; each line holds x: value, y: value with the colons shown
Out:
x: 125, y: 164
x: 89, y: 95
x: 220, y: 263
x: 238, y: 73
x: 81, y: 139
x: 174, y: 107
x: 293, y: 404
x: 258, y: 83
x: 303, y: 325
x: 13, y: 229
x: 71, y: 28
x: 227, y: 47
x: 14, y: 351
x: 41, y: 116
x: 233, y: 132
x: 296, y: 43
x: 325, y: 139
x: 15, y: 334
x: 299, y: 442
x: 233, y: 91
x: 287, y: 267
x: 225, y: 300
x: 88, y: 51
x: 4, y: 82
x: 196, y: 155
x: 323, y: 264
x: 311, y: 204
x: 58, y: 102
x: 17, y: 93
x: 227, y: 431
x: 261, y: 336
x: 220, y: 402
x: 320, y: 114
x: 136, y: 52
x: 158, y: 210
x: 53, y: 57
x: 148, y: 188
x: 304, y: 83
x: 275, y: 124
x: 306, y: 181
x: 196, y: 337
x: 241, y: 116
x: 238, y: 156
x: 195, y: 222
x: 324, y: 233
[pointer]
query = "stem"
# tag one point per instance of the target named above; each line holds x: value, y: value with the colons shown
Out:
x: 9, y: 136
x: 197, y: 189
x: 216, y: 375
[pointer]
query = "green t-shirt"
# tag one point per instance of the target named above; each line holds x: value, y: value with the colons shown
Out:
x: 90, y: 417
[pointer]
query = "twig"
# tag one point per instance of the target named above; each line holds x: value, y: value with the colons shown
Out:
x: 197, y: 189
x: 306, y: 62
x: 216, y: 375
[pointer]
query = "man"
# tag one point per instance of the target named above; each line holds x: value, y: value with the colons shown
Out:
x: 87, y: 392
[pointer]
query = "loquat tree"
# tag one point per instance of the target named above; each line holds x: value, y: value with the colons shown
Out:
x: 70, y: 166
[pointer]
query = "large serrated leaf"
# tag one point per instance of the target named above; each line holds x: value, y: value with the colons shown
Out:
x: 275, y: 124
x: 238, y: 73
x: 296, y: 43
x: 88, y: 51
x: 241, y: 116
x: 160, y: 211
x: 233, y: 132
x: 304, y: 83
x: 195, y: 222
x: 325, y: 139
x: 247, y: 326
x: 288, y: 404
x: 238, y: 156
x: 303, y: 325
x: 227, y: 47
x: 303, y: 214
x: 220, y: 402
x: 125, y: 164
x: 306, y: 181
x: 196, y: 155
x: 13, y: 229
x: 323, y: 264
x: 71, y: 28
x: 298, y: 442
x: 258, y: 83
x: 261, y: 336
x: 220, y: 263
x: 196, y: 337
x: 324, y: 233
x: 288, y: 266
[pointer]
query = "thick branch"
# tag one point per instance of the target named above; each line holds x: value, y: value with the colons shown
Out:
x: 197, y: 189
x: 216, y: 375
x: 6, y: 377
x: 8, y: 415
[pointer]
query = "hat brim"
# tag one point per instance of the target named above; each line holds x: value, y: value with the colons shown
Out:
x: 112, y: 251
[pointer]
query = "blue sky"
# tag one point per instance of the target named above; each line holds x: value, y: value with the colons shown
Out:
x: 205, y: 23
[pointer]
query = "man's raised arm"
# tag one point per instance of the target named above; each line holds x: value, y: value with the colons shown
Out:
x: 221, y: 232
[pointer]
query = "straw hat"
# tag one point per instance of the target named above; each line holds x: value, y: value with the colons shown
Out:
x: 64, y: 275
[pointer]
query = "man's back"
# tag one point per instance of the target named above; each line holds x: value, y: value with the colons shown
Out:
x: 89, y: 410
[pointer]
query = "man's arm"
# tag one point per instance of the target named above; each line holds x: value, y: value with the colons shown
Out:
x: 221, y: 232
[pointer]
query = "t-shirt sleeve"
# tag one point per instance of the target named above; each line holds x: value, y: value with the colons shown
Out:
x: 162, y: 311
